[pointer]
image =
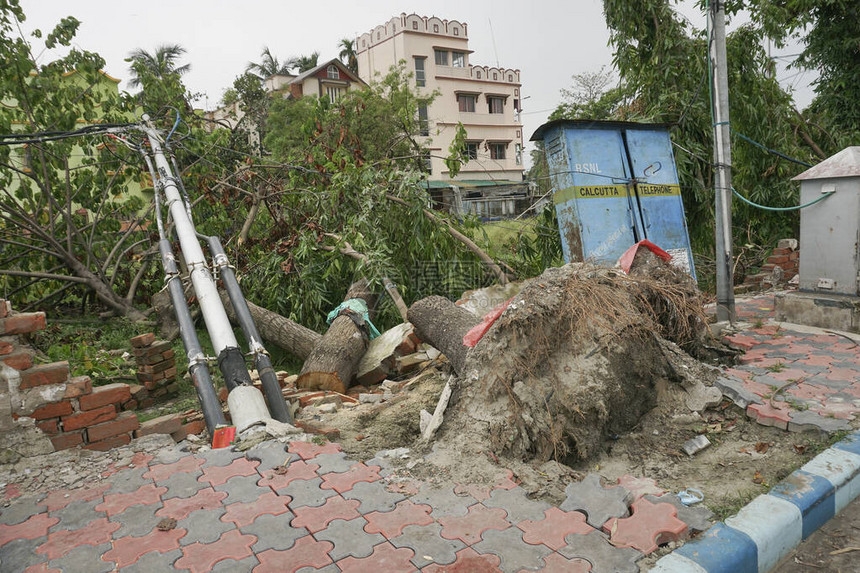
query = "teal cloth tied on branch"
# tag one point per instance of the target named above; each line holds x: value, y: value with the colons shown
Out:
x: 357, y: 307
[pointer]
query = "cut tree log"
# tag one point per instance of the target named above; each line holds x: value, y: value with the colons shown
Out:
x: 333, y: 362
x: 442, y: 324
x: 277, y: 329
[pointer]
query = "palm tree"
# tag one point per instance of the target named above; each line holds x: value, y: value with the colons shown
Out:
x: 270, y: 66
x: 305, y: 63
x: 347, y: 54
x: 160, y: 63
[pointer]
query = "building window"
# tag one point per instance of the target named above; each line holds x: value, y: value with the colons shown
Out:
x: 420, y: 79
x: 333, y: 73
x: 497, y: 150
x: 510, y: 78
x: 436, y: 28
x: 378, y: 35
x: 458, y: 59
x: 427, y: 163
x: 516, y: 92
x: 441, y: 57
x: 414, y: 25
x: 496, y: 104
x: 471, y: 150
x: 423, y: 123
x: 478, y: 75
x: 456, y: 31
x: 467, y: 102
x: 519, y: 154
x: 495, y: 76
x: 333, y: 93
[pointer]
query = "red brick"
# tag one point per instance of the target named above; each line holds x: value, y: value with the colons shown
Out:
x: 20, y: 360
x: 124, y: 423
x: 777, y: 259
x: 130, y: 405
x: 143, y: 340
x: 147, y: 403
x: 104, y: 395
x: 5, y: 347
x: 49, y: 426
x: 195, y: 427
x: 78, y: 386
x: 166, y: 424
x: 168, y: 354
x: 109, y: 443
x: 54, y: 410
x: 138, y: 392
x: 795, y: 255
x: 170, y: 373
x: 23, y: 323
x: 89, y: 418
x: 179, y: 435
x: 44, y: 374
x: 311, y: 428
x: 156, y: 368
x: 67, y: 440
x: 779, y: 252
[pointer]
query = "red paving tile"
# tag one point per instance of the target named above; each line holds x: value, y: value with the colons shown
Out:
x: 742, y: 374
x: 307, y: 552
x: 41, y: 568
x: 479, y: 492
x: 318, y: 518
x: 163, y: 471
x: 384, y: 558
x: 63, y: 497
x: 218, y: 475
x: 468, y: 561
x: 650, y: 525
x: 61, y: 542
x: 555, y: 563
x: 116, y: 503
x: 141, y: 459
x: 344, y: 481
x: 128, y: 550
x: 406, y: 487
x: 789, y: 374
x: 741, y: 341
x: 296, y: 470
x: 775, y: 415
x: 841, y: 374
x: 469, y: 527
x: 810, y: 392
x: 200, y: 557
x: 180, y: 507
x: 757, y: 387
x: 243, y: 514
x: 308, y: 450
x: 11, y: 491
x: 640, y: 487
x: 507, y: 481
x: 841, y: 410
x: 552, y: 529
x: 818, y: 360
x: 391, y: 523
x: 36, y: 526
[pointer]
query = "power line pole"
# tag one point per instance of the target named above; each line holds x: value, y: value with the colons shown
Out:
x: 722, y: 163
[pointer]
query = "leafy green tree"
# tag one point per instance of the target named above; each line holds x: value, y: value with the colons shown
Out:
x: 159, y: 64
x: 347, y: 54
x: 305, y: 63
x: 269, y: 65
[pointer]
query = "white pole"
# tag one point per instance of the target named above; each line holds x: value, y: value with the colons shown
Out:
x: 214, y: 314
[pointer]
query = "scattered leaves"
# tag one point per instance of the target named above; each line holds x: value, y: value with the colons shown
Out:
x: 166, y: 524
x: 762, y: 447
x: 758, y: 478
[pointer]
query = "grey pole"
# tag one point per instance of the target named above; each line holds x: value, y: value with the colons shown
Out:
x: 722, y: 164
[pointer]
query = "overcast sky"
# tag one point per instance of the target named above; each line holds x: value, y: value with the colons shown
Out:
x: 548, y: 40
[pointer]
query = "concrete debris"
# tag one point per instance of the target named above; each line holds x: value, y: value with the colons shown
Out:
x: 695, y: 445
x: 701, y: 397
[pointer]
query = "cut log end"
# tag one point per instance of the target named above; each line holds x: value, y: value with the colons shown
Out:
x: 321, y: 381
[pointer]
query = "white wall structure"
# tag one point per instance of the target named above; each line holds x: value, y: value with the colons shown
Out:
x: 485, y: 99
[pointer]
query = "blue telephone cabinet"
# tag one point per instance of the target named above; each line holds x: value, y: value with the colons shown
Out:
x: 615, y: 184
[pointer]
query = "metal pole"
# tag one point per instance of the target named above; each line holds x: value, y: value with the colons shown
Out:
x: 197, y: 366
x: 722, y: 164
x: 271, y: 388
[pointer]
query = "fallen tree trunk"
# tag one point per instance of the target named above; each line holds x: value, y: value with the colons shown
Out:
x: 276, y: 329
x: 333, y: 362
x: 442, y: 324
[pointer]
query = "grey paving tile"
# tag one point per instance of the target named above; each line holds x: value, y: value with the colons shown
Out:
x: 18, y: 554
x: 307, y: 492
x: 373, y: 496
x: 153, y: 562
x: 168, y: 456
x: 21, y: 509
x: 182, y: 484
x: 220, y: 457
x: 734, y: 390
x: 274, y: 532
x: 270, y: 455
x: 77, y: 515
x: 337, y: 463
x: 331, y: 568
x: 517, y: 505
x: 444, y: 501
x: 806, y: 420
x: 137, y: 520
x: 597, y: 502
x: 697, y: 517
x: 514, y: 553
x: 84, y: 559
x: 595, y: 548
x: 349, y: 538
x: 245, y: 565
x: 204, y: 525
x: 128, y: 480
x: 427, y: 542
x: 242, y: 489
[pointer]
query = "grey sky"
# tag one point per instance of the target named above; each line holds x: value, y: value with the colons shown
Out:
x: 548, y: 40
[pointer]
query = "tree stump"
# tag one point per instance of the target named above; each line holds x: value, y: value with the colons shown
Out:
x: 442, y: 324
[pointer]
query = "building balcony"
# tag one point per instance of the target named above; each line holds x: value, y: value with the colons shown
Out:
x: 452, y: 72
x: 467, y: 117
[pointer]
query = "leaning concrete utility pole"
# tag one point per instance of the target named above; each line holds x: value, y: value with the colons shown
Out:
x: 722, y: 162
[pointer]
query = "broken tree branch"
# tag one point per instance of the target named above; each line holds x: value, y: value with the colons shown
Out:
x: 443, y: 324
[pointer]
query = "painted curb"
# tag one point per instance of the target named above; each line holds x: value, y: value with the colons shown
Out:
x: 773, y: 524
